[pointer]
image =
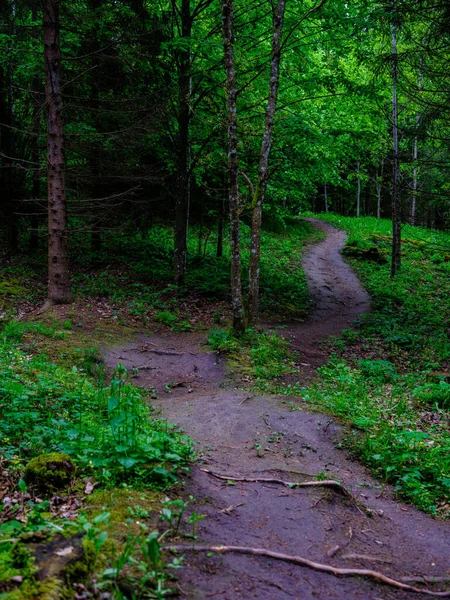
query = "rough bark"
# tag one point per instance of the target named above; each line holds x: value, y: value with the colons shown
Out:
x: 182, y: 188
x: 59, y: 291
x: 6, y: 181
x: 396, y: 218
x: 260, y: 191
x: 36, y: 182
x: 95, y: 149
x: 415, y: 157
x: 233, y: 168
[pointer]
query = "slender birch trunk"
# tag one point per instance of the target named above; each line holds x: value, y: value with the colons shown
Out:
x: 396, y: 218
x: 260, y: 191
x: 59, y: 291
x: 233, y: 168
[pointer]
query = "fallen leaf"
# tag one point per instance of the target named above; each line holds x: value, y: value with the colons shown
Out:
x: 65, y: 551
x: 89, y: 487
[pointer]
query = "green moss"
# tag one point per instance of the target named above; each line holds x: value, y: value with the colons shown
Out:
x: 11, y: 287
x: 118, y: 502
x: 49, y: 471
x: 79, y: 571
x: 31, y: 589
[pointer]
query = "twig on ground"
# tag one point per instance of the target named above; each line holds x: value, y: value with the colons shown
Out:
x: 245, y: 399
x: 305, y: 562
x: 425, y: 579
x: 365, y: 557
x: 290, y: 484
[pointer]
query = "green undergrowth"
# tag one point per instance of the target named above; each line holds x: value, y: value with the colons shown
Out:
x: 64, y: 433
x: 150, y: 268
x: 108, y: 430
x: 257, y: 355
x: 135, y: 271
x: 391, y: 378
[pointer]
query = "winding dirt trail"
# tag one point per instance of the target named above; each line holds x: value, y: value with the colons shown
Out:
x: 252, y: 436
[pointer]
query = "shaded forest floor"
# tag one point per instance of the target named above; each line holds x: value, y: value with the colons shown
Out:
x: 242, y: 434
x: 248, y: 405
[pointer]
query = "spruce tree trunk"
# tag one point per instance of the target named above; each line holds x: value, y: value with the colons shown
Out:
x: 260, y: 190
x: 182, y: 187
x: 59, y: 291
x: 36, y: 181
x: 95, y: 148
x: 233, y: 168
x: 396, y: 217
x: 412, y: 219
x: 7, y: 179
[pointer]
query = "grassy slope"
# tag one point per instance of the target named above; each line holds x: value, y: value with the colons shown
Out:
x: 392, y: 379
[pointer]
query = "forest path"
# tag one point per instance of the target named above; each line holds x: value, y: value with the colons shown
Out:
x: 242, y: 434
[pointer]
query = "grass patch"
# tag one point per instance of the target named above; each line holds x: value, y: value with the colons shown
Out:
x: 256, y: 354
x: 390, y: 379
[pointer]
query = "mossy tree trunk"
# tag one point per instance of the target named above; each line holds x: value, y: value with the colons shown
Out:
x: 233, y: 168
x: 260, y: 190
x: 396, y: 216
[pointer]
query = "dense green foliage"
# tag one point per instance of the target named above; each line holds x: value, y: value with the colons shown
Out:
x: 107, y: 429
x: 123, y: 92
x: 391, y: 379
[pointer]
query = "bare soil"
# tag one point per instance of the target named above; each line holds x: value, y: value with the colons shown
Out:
x: 246, y: 435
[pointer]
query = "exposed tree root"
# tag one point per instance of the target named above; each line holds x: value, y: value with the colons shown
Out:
x: 330, y: 483
x: 48, y: 304
x: 299, y: 560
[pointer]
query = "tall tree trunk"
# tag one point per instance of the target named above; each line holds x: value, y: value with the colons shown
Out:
x: 36, y: 182
x: 325, y: 194
x: 358, y: 196
x: 95, y: 148
x: 260, y: 191
x: 233, y: 168
x: 396, y: 218
x: 7, y: 179
x: 59, y: 291
x: 412, y: 218
x: 182, y: 188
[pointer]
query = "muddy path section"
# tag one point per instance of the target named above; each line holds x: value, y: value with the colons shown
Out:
x: 245, y: 435
x: 338, y: 299
x: 169, y: 364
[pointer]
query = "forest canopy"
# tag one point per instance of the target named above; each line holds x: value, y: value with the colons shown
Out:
x: 338, y: 107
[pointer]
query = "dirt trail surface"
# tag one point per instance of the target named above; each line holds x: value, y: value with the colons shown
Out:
x: 244, y: 435
x: 336, y: 294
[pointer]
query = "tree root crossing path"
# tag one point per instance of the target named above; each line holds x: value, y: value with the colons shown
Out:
x: 270, y: 536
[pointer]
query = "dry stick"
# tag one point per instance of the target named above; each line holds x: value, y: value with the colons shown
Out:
x: 290, y: 484
x: 299, y: 560
x: 325, y: 483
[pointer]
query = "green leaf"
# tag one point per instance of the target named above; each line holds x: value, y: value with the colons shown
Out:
x: 128, y: 462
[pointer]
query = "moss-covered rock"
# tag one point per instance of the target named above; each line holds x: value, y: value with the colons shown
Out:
x: 49, y: 471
